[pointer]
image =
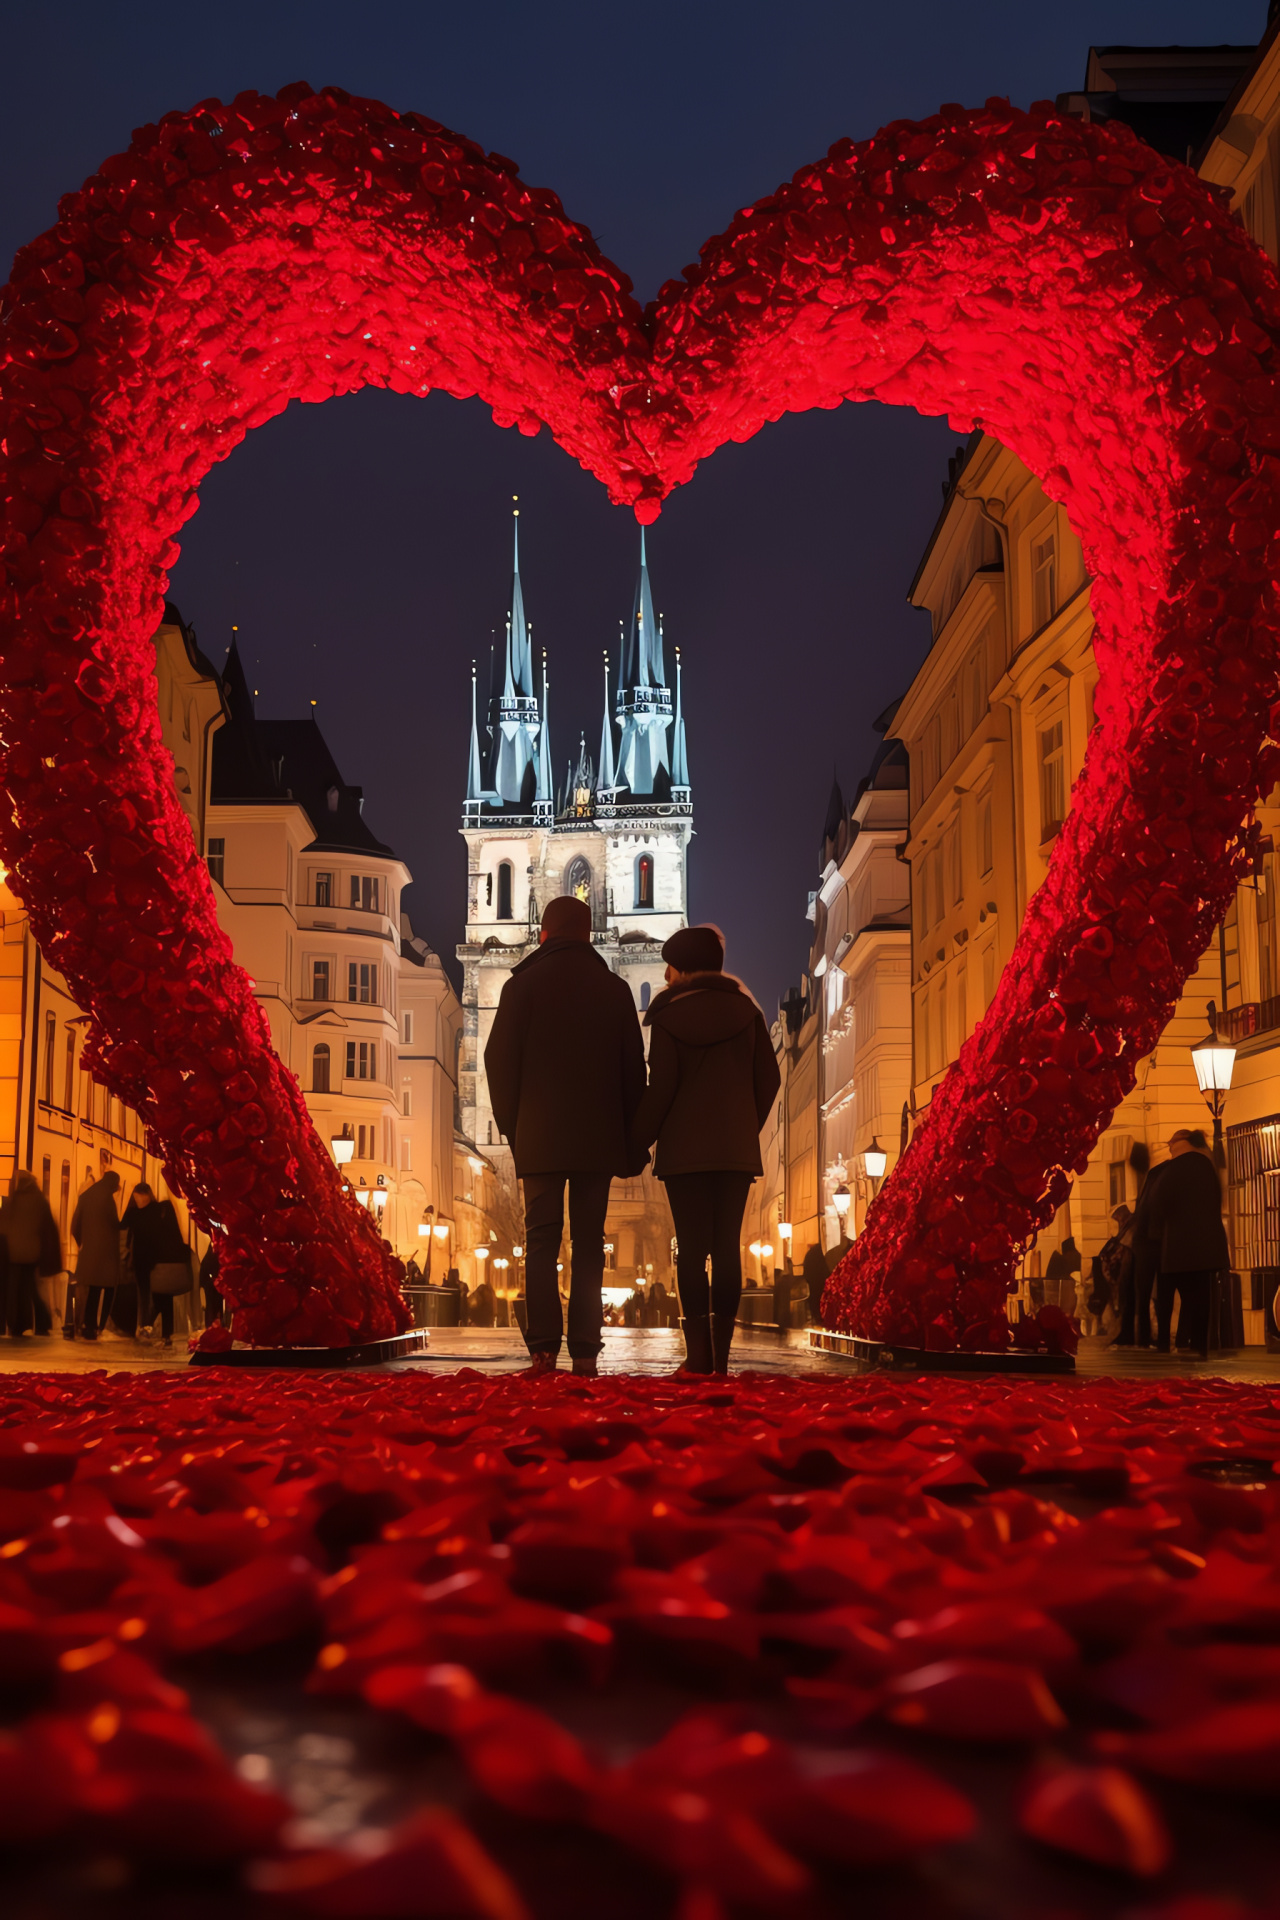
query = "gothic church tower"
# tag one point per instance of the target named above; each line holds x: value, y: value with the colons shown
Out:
x: 616, y: 834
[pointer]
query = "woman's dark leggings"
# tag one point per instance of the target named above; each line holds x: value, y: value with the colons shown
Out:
x: 707, y: 1209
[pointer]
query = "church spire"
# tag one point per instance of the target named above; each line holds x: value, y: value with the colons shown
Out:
x: 608, y: 778
x: 475, y: 783
x: 519, y: 674
x: 544, y: 792
x: 642, y: 659
x: 679, y: 757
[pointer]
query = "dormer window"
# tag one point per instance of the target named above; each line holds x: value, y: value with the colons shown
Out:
x: 332, y: 798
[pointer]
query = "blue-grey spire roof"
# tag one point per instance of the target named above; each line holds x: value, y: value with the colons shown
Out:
x: 608, y: 777
x: 679, y: 756
x: 475, y: 780
x: 544, y: 791
x: 519, y: 676
x: 642, y: 659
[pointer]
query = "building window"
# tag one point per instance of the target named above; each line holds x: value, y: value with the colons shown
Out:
x: 46, y: 1174
x: 1053, y: 780
x: 364, y: 892
x: 362, y: 1060
x: 324, y: 889
x: 64, y: 1198
x: 407, y: 1103
x: 504, y: 891
x: 644, y: 880
x: 362, y: 1135
x: 408, y: 1029
x: 646, y: 992
x: 954, y: 890
x: 216, y: 858
x: 50, y: 1043
x: 1268, y: 957
x: 1044, y: 583
x: 321, y: 980
x: 1117, y: 1184
x: 320, y: 1068
x: 931, y: 755
x: 986, y: 836
x: 977, y: 691
x: 577, y: 881
x: 362, y: 982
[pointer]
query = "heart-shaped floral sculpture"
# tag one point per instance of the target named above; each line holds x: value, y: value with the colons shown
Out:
x: 1085, y: 301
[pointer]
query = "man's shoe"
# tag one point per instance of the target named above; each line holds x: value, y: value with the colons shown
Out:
x: 697, y: 1347
x: 586, y: 1368
x: 722, y: 1325
x: 540, y: 1364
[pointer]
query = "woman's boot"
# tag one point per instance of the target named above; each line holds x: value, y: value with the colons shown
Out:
x: 697, y: 1346
x: 722, y: 1325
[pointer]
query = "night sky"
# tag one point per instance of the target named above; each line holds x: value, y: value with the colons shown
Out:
x: 363, y: 547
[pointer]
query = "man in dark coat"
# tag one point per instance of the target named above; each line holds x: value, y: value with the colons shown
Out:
x: 95, y: 1228
x: 565, y: 1066
x: 713, y: 1077
x: 1186, y: 1214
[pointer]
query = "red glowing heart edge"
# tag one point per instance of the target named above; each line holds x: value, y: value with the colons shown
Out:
x: 855, y: 1598
x: 1090, y: 304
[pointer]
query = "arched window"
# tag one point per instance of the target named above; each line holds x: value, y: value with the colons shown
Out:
x: 504, y: 890
x: 578, y: 880
x: 644, y: 880
x: 320, y: 1068
x: 645, y: 992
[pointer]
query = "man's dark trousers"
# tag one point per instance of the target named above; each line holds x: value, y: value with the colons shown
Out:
x: 543, y: 1227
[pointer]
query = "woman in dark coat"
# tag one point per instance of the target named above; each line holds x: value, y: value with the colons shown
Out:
x: 713, y: 1078
x: 31, y: 1240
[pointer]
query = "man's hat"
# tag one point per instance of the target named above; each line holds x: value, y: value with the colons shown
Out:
x: 566, y: 918
x: 695, y: 950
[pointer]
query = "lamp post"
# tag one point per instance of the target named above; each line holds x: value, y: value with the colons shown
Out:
x: 784, y: 1234
x: 874, y: 1162
x: 1214, y: 1060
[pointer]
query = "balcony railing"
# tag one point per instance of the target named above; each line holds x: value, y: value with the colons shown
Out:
x: 1256, y: 1016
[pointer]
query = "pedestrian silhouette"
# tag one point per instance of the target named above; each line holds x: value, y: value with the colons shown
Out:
x: 565, y: 1066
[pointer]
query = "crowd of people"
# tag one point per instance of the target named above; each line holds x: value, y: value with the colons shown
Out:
x: 579, y: 1105
x: 128, y: 1268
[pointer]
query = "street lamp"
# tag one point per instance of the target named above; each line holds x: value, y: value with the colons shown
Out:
x: 874, y: 1161
x: 343, y: 1145
x: 1214, y: 1060
x: 784, y: 1234
x: 840, y: 1201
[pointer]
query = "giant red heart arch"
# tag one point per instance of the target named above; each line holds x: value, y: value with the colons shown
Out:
x: 1088, y: 303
